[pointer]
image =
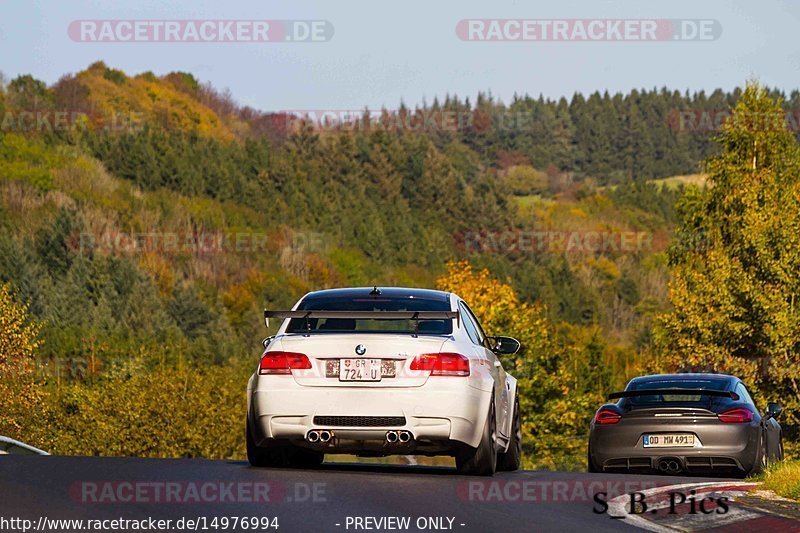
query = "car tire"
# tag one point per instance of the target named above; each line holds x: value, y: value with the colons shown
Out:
x: 589, y: 463
x: 264, y: 457
x: 760, y: 463
x: 301, y: 458
x: 481, y: 461
x: 511, y: 459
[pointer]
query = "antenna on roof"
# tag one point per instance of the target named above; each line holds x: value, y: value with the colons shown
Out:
x: 375, y: 291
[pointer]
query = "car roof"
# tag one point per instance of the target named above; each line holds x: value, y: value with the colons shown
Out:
x: 684, y: 377
x: 389, y: 292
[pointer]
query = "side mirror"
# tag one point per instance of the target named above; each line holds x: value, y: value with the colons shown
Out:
x: 504, y: 345
x: 773, y: 410
x: 267, y: 341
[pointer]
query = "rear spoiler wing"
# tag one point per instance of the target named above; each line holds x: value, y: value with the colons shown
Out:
x: 364, y: 315
x: 653, y: 392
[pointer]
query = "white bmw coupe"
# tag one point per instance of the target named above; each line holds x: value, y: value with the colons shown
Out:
x: 377, y: 372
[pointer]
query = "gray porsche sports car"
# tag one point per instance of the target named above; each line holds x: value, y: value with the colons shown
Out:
x: 684, y: 424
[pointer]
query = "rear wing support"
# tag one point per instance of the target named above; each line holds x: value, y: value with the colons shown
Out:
x: 366, y: 315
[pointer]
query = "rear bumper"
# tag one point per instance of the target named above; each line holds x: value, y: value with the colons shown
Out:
x: 442, y: 413
x: 719, y: 447
x: 690, y: 464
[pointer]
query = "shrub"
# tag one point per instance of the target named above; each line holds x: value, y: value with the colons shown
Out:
x: 18, y: 343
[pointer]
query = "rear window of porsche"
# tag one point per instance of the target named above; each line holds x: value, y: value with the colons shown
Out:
x: 660, y: 398
x: 351, y: 325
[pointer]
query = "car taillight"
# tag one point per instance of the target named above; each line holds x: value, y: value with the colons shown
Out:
x: 442, y: 364
x: 606, y: 416
x: 738, y: 415
x: 283, y: 362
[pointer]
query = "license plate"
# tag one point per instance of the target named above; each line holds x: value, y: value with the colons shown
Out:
x: 666, y: 440
x: 359, y: 369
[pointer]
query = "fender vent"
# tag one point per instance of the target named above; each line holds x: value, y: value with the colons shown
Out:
x: 360, y: 421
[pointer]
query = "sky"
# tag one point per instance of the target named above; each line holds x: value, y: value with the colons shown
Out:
x: 382, y: 53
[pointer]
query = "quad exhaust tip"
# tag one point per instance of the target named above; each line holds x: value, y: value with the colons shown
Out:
x: 324, y: 436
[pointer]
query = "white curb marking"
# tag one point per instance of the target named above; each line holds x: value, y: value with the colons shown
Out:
x: 618, y: 506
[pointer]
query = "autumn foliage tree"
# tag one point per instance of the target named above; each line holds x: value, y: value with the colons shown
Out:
x: 555, y: 402
x: 130, y: 340
x: 18, y: 343
x: 736, y: 261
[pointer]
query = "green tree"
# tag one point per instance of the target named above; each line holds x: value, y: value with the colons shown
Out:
x: 53, y: 242
x: 736, y: 259
x: 28, y: 93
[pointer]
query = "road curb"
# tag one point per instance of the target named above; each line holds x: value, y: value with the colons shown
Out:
x: 618, y: 506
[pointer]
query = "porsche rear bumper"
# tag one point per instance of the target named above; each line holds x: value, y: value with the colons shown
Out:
x: 719, y: 447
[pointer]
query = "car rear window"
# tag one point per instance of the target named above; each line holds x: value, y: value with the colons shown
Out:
x: 351, y: 325
x: 656, y: 398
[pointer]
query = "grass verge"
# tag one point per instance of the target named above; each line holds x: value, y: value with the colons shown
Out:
x: 783, y: 479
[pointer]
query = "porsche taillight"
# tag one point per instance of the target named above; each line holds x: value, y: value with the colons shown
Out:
x: 738, y: 415
x: 607, y: 416
x: 283, y: 362
x: 442, y: 364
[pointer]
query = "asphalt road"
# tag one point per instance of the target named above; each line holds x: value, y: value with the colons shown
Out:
x: 331, y: 498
